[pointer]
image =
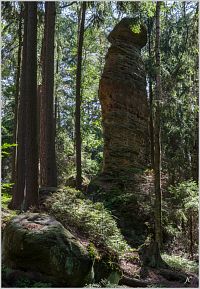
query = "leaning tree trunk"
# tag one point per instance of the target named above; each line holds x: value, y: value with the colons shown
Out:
x: 19, y: 186
x: 48, y: 171
x: 31, y: 141
x: 157, y: 152
x: 78, y: 99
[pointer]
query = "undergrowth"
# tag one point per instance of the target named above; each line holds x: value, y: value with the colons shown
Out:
x: 72, y: 208
x: 181, y: 263
x: 5, y: 199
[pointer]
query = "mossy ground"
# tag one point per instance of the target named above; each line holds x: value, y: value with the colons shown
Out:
x: 93, y: 220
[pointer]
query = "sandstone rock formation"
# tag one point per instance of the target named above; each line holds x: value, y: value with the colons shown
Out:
x: 122, y: 92
x: 123, y: 98
x: 40, y: 244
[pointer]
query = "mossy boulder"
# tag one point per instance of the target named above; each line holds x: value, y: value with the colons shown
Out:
x: 37, y: 242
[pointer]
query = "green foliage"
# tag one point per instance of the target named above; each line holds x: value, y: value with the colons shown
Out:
x: 23, y: 283
x: 5, y: 187
x: 179, y: 206
x: 26, y: 283
x: 135, y: 28
x: 5, y: 271
x: 181, y: 263
x: 5, y: 199
x: 72, y: 208
x: 93, y: 252
x: 5, y: 147
x: 185, y: 194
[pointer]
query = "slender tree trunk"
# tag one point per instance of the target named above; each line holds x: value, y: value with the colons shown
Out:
x: 56, y: 89
x: 47, y: 125
x: 31, y: 196
x: 194, y: 154
x: 17, y: 85
x: 19, y: 186
x: 151, y: 99
x: 39, y: 96
x: 42, y: 123
x: 78, y: 99
x: 157, y: 152
x: 191, y: 234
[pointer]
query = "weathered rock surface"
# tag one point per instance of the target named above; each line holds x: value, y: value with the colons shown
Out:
x: 122, y: 93
x: 123, y: 98
x: 38, y: 243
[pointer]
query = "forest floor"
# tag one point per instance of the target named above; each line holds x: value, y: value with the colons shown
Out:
x: 169, y: 278
x: 183, y: 273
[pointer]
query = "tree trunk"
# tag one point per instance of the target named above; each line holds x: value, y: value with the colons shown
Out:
x: 31, y: 196
x: 191, y: 235
x: 47, y: 125
x: 195, y: 154
x: 19, y: 186
x: 17, y: 85
x: 78, y: 99
x: 151, y: 127
x: 157, y: 152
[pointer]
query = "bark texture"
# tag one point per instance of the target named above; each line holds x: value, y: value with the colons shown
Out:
x: 19, y: 187
x: 17, y: 84
x: 25, y: 193
x: 48, y: 171
x: 157, y: 135
x: 31, y: 140
x: 78, y: 99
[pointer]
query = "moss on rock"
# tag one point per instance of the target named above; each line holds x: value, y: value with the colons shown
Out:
x: 39, y: 243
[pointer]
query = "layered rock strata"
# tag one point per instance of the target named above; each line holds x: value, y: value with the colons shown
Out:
x: 122, y: 92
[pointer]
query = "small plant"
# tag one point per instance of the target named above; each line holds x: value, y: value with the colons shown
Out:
x: 5, y: 199
x: 93, y: 252
x: 181, y: 263
x: 5, y: 271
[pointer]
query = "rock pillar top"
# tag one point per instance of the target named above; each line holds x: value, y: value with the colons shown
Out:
x: 129, y: 30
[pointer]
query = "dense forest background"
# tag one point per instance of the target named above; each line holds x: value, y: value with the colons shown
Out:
x: 72, y: 146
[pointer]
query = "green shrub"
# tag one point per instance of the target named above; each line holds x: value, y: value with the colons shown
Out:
x: 5, y: 199
x: 71, y: 208
x: 181, y: 263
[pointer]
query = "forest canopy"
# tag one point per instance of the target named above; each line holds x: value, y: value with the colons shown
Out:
x: 100, y: 129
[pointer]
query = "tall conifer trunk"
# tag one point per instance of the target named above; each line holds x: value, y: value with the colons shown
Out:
x: 31, y: 196
x: 48, y: 171
x: 17, y: 85
x: 25, y: 193
x: 19, y: 186
x: 157, y: 140
x: 78, y: 98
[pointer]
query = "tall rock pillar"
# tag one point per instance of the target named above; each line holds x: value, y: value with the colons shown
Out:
x: 123, y: 98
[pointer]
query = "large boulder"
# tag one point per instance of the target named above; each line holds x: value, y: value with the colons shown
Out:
x: 38, y: 243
